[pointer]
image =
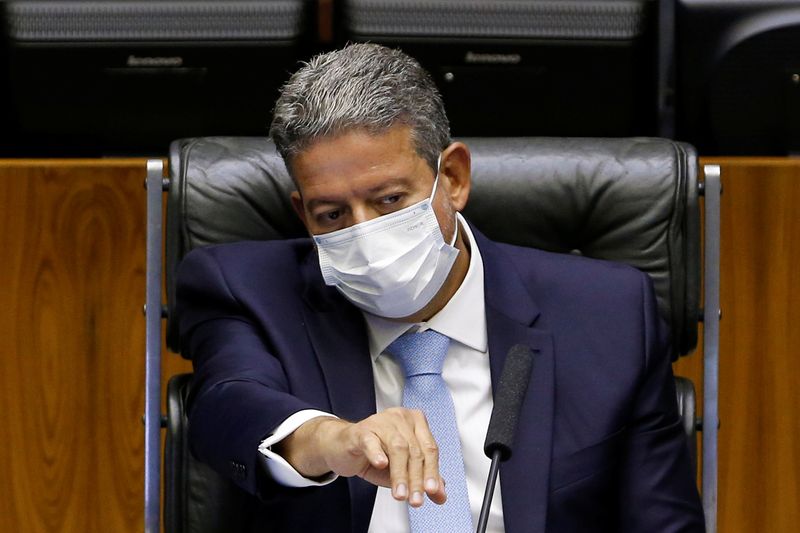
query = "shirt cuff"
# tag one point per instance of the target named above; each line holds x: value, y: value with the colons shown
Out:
x: 278, y: 467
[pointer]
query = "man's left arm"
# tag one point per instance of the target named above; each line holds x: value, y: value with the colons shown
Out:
x: 658, y: 487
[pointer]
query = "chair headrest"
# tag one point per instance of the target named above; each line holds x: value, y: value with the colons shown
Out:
x: 628, y: 200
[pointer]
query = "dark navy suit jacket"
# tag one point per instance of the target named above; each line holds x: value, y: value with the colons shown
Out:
x: 599, y: 445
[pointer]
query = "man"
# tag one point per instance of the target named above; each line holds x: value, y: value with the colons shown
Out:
x: 305, y: 351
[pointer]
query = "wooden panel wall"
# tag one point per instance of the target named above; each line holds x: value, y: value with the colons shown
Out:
x: 72, y: 235
x: 759, y: 438
x: 72, y: 239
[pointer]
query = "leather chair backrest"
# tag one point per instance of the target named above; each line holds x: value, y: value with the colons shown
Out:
x: 629, y: 200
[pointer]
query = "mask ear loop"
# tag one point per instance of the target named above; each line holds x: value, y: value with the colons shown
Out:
x: 433, y: 193
x: 436, y: 179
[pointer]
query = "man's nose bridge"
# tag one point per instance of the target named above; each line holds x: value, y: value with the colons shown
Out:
x: 360, y: 212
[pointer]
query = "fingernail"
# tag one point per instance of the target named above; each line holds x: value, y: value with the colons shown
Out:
x: 431, y: 485
x: 400, y: 491
x: 416, y: 498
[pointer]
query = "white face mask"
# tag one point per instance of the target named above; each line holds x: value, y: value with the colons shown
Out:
x: 391, y: 266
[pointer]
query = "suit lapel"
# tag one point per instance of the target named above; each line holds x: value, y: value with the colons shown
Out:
x: 510, y: 319
x: 339, y: 338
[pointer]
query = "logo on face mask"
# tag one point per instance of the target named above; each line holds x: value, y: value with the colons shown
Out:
x: 391, y: 266
x: 414, y: 227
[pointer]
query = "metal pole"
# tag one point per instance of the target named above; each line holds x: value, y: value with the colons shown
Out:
x: 711, y: 317
x: 152, y: 401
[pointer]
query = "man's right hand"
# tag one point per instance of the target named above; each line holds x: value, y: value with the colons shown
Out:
x: 394, y: 448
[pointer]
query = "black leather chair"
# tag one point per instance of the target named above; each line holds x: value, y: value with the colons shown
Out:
x: 628, y: 200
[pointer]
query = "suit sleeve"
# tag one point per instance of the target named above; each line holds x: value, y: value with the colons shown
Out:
x: 658, y: 488
x: 239, y: 392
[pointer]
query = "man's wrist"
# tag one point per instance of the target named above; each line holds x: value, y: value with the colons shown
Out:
x: 305, y: 449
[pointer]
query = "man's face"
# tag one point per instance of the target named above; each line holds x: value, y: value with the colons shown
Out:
x: 358, y: 176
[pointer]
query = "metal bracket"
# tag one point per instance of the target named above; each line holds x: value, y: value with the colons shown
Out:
x: 712, y: 190
x: 153, y: 314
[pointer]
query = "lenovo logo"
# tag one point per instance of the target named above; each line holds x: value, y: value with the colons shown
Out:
x: 496, y: 59
x: 135, y: 61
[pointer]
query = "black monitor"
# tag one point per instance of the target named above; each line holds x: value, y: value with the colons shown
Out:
x: 738, y: 76
x: 106, y: 77
x: 526, y: 67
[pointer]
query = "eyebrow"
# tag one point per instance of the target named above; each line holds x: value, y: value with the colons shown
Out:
x: 387, y: 184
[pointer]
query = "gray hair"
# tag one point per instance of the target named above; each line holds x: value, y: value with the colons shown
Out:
x: 362, y: 86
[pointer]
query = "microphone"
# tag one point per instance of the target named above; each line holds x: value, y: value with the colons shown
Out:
x: 503, y: 423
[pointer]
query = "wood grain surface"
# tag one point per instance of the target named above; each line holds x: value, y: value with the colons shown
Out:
x: 72, y: 282
x: 72, y: 239
x: 759, y: 437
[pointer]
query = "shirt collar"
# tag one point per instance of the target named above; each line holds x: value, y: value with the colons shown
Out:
x: 463, y: 318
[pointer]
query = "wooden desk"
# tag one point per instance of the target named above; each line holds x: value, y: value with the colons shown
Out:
x: 72, y: 279
x: 759, y: 404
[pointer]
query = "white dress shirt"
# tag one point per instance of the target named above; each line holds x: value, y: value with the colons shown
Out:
x: 467, y: 375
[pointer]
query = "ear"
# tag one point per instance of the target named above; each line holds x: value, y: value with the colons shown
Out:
x: 297, y: 205
x: 455, y: 172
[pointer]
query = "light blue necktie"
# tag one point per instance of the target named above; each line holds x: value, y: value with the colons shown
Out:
x: 422, y: 356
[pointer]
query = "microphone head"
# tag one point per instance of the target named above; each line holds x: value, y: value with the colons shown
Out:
x: 508, y: 399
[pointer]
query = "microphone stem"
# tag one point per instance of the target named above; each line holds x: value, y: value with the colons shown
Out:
x: 491, y: 481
